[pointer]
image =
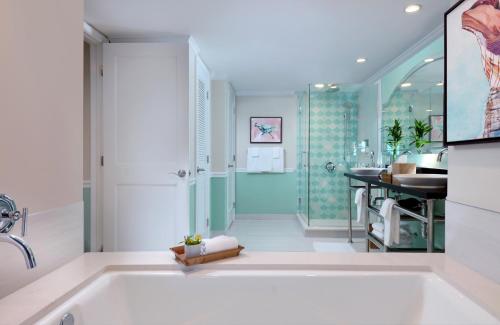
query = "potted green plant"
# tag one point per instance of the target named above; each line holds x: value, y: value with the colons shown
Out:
x: 192, y: 245
x: 419, y: 132
x: 394, y: 137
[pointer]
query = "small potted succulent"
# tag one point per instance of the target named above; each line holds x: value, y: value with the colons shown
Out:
x: 192, y: 245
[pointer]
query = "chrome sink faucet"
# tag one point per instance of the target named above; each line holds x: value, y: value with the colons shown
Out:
x: 8, y: 217
x: 441, y: 154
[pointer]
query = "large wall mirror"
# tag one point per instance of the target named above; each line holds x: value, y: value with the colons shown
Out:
x: 417, y: 104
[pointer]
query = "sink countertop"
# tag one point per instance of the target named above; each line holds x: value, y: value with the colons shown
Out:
x: 36, y: 299
x: 417, y: 192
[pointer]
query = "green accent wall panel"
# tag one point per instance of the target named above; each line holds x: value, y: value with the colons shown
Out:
x: 266, y: 193
x: 218, y: 203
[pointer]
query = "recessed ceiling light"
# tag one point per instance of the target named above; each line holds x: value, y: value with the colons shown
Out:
x: 361, y: 60
x: 319, y: 86
x: 440, y: 84
x: 428, y: 60
x: 413, y: 8
x: 406, y: 85
x: 428, y: 110
x: 332, y: 86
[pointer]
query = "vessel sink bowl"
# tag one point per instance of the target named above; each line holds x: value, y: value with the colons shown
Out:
x: 422, y: 180
x: 367, y: 171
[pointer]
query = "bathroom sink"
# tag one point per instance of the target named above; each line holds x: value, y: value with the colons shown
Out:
x: 367, y: 171
x: 422, y: 180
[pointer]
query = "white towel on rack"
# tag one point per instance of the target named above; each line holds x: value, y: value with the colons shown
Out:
x: 361, y: 202
x: 259, y: 160
x: 253, y: 155
x: 278, y: 161
x: 391, y: 222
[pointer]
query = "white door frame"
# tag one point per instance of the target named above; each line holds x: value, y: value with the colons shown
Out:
x: 95, y: 39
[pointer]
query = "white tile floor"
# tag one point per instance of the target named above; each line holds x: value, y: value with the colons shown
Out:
x: 285, y: 234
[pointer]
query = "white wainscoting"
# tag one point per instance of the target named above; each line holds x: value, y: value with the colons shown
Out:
x: 56, y: 237
x: 472, y: 238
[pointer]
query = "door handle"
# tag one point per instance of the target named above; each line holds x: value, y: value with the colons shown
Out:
x: 230, y: 166
x: 199, y: 170
x: 181, y: 173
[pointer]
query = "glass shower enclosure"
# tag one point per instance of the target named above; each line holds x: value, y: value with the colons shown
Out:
x: 326, y: 147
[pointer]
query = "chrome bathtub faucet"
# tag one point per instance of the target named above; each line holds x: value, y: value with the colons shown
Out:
x: 8, y: 218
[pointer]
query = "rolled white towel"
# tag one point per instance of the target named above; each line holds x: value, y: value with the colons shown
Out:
x: 219, y: 244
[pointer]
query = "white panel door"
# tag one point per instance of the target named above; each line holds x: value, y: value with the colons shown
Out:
x: 231, y: 156
x: 145, y: 141
x: 202, y: 148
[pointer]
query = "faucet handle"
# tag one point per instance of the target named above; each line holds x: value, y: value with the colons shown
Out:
x: 24, y: 216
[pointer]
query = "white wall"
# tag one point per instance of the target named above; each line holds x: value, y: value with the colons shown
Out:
x: 41, y: 98
x: 262, y: 106
x: 473, y: 207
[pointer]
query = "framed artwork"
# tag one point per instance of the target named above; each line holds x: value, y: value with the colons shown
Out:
x: 437, y: 124
x: 472, y: 72
x: 266, y: 130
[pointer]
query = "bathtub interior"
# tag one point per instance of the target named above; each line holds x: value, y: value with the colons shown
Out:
x: 269, y: 297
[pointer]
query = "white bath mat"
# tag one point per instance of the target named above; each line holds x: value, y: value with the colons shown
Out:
x: 329, y: 247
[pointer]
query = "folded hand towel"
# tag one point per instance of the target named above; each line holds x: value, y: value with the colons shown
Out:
x: 378, y: 234
x: 361, y: 202
x: 218, y: 244
x: 391, y: 222
x: 378, y: 226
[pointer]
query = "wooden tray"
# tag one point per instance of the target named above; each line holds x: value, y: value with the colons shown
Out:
x: 181, y: 257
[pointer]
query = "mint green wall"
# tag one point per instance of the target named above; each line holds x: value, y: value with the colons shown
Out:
x: 392, y: 79
x: 266, y: 193
x: 218, y: 203
x: 192, y: 208
x: 86, y: 219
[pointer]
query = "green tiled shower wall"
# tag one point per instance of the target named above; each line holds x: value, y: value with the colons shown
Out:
x: 327, y: 191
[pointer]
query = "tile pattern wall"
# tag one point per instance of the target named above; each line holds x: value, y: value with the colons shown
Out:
x: 327, y: 192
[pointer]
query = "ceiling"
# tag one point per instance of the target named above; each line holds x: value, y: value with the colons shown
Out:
x: 277, y: 45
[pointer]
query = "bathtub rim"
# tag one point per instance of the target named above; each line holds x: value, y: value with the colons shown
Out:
x: 37, y: 299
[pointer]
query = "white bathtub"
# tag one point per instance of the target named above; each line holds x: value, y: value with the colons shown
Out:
x: 269, y: 297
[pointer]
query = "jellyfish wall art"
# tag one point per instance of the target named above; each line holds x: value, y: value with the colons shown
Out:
x: 473, y: 72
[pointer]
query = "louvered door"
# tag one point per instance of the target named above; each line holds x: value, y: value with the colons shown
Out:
x: 202, y: 148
